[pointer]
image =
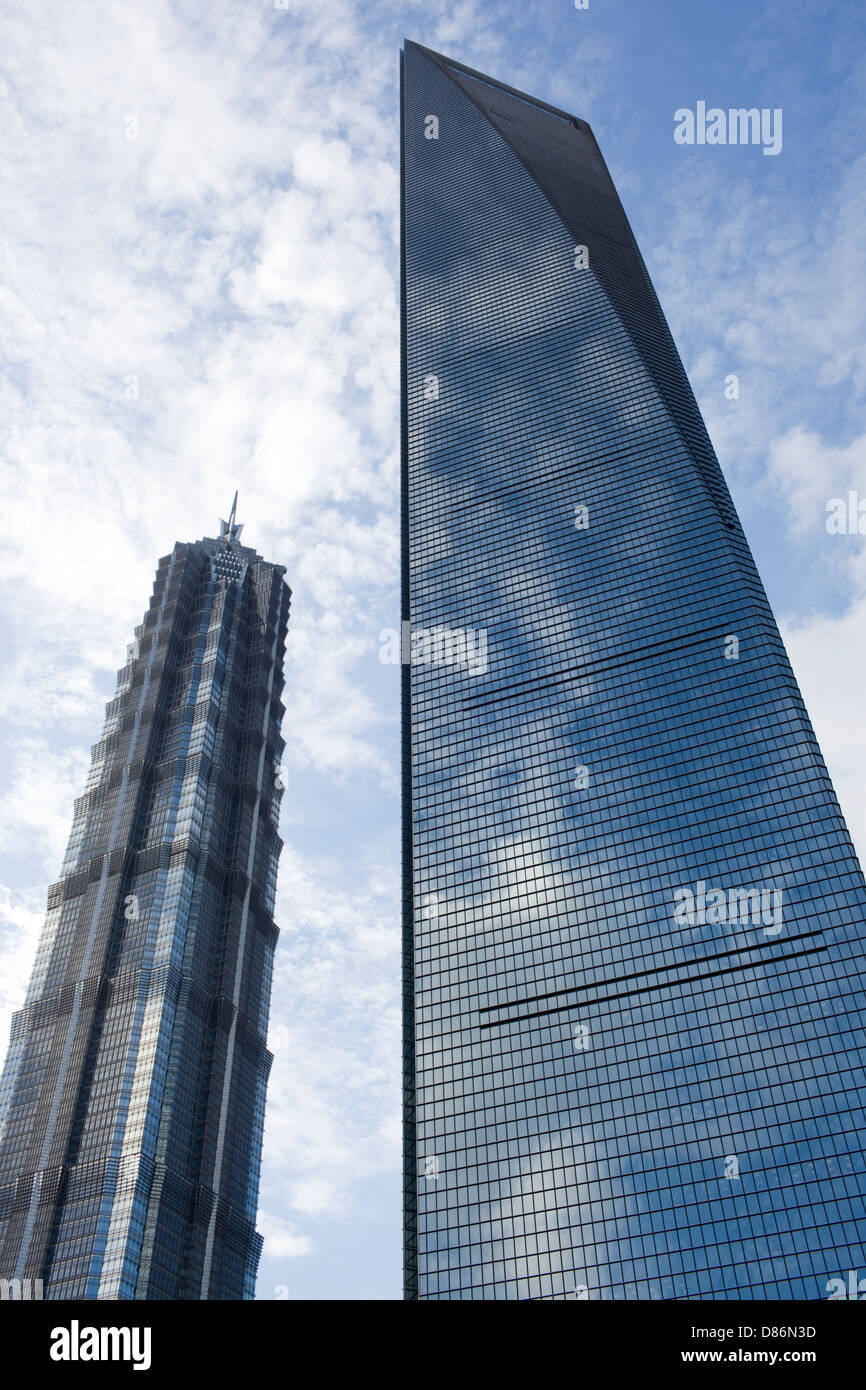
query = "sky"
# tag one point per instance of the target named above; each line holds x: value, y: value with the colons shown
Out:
x: 199, y: 292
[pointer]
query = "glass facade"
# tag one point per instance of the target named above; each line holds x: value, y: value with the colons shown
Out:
x: 132, y: 1099
x: 633, y: 916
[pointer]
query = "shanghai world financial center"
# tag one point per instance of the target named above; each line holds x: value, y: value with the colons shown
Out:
x: 632, y: 913
x: 633, y: 916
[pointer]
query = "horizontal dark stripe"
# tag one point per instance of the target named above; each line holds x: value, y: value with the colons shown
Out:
x: 648, y: 989
x: 639, y: 974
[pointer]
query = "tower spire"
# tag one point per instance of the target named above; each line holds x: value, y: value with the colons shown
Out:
x: 231, y: 530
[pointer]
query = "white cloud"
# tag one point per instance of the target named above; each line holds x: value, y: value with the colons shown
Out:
x: 281, y: 1239
x: 36, y: 805
x: 333, y: 1100
x: 21, y: 918
x: 756, y: 280
x: 808, y: 472
x: 829, y: 657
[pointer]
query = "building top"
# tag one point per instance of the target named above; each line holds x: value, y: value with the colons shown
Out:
x: 231, y: 529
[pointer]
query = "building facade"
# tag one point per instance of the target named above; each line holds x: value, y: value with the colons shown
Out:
x: 633, y: 915
x: 132, y: 1099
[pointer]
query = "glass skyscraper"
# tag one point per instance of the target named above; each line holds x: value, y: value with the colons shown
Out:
x: 132, y: 1100
x: 633, y: 915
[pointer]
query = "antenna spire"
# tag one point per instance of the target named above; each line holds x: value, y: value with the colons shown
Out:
x: 231, y: 530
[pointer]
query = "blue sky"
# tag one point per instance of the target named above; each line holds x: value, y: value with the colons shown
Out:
x: 198, y: 291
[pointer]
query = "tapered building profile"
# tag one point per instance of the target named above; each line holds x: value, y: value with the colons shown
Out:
x: 633, y: 915
x: 133, y: 1095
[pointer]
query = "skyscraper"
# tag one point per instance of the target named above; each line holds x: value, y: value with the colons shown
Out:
x: 633, y: 916
x: 133, y: 1095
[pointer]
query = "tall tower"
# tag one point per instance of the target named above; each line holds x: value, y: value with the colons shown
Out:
x: 633, y: 916
x: 133, y: 1095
